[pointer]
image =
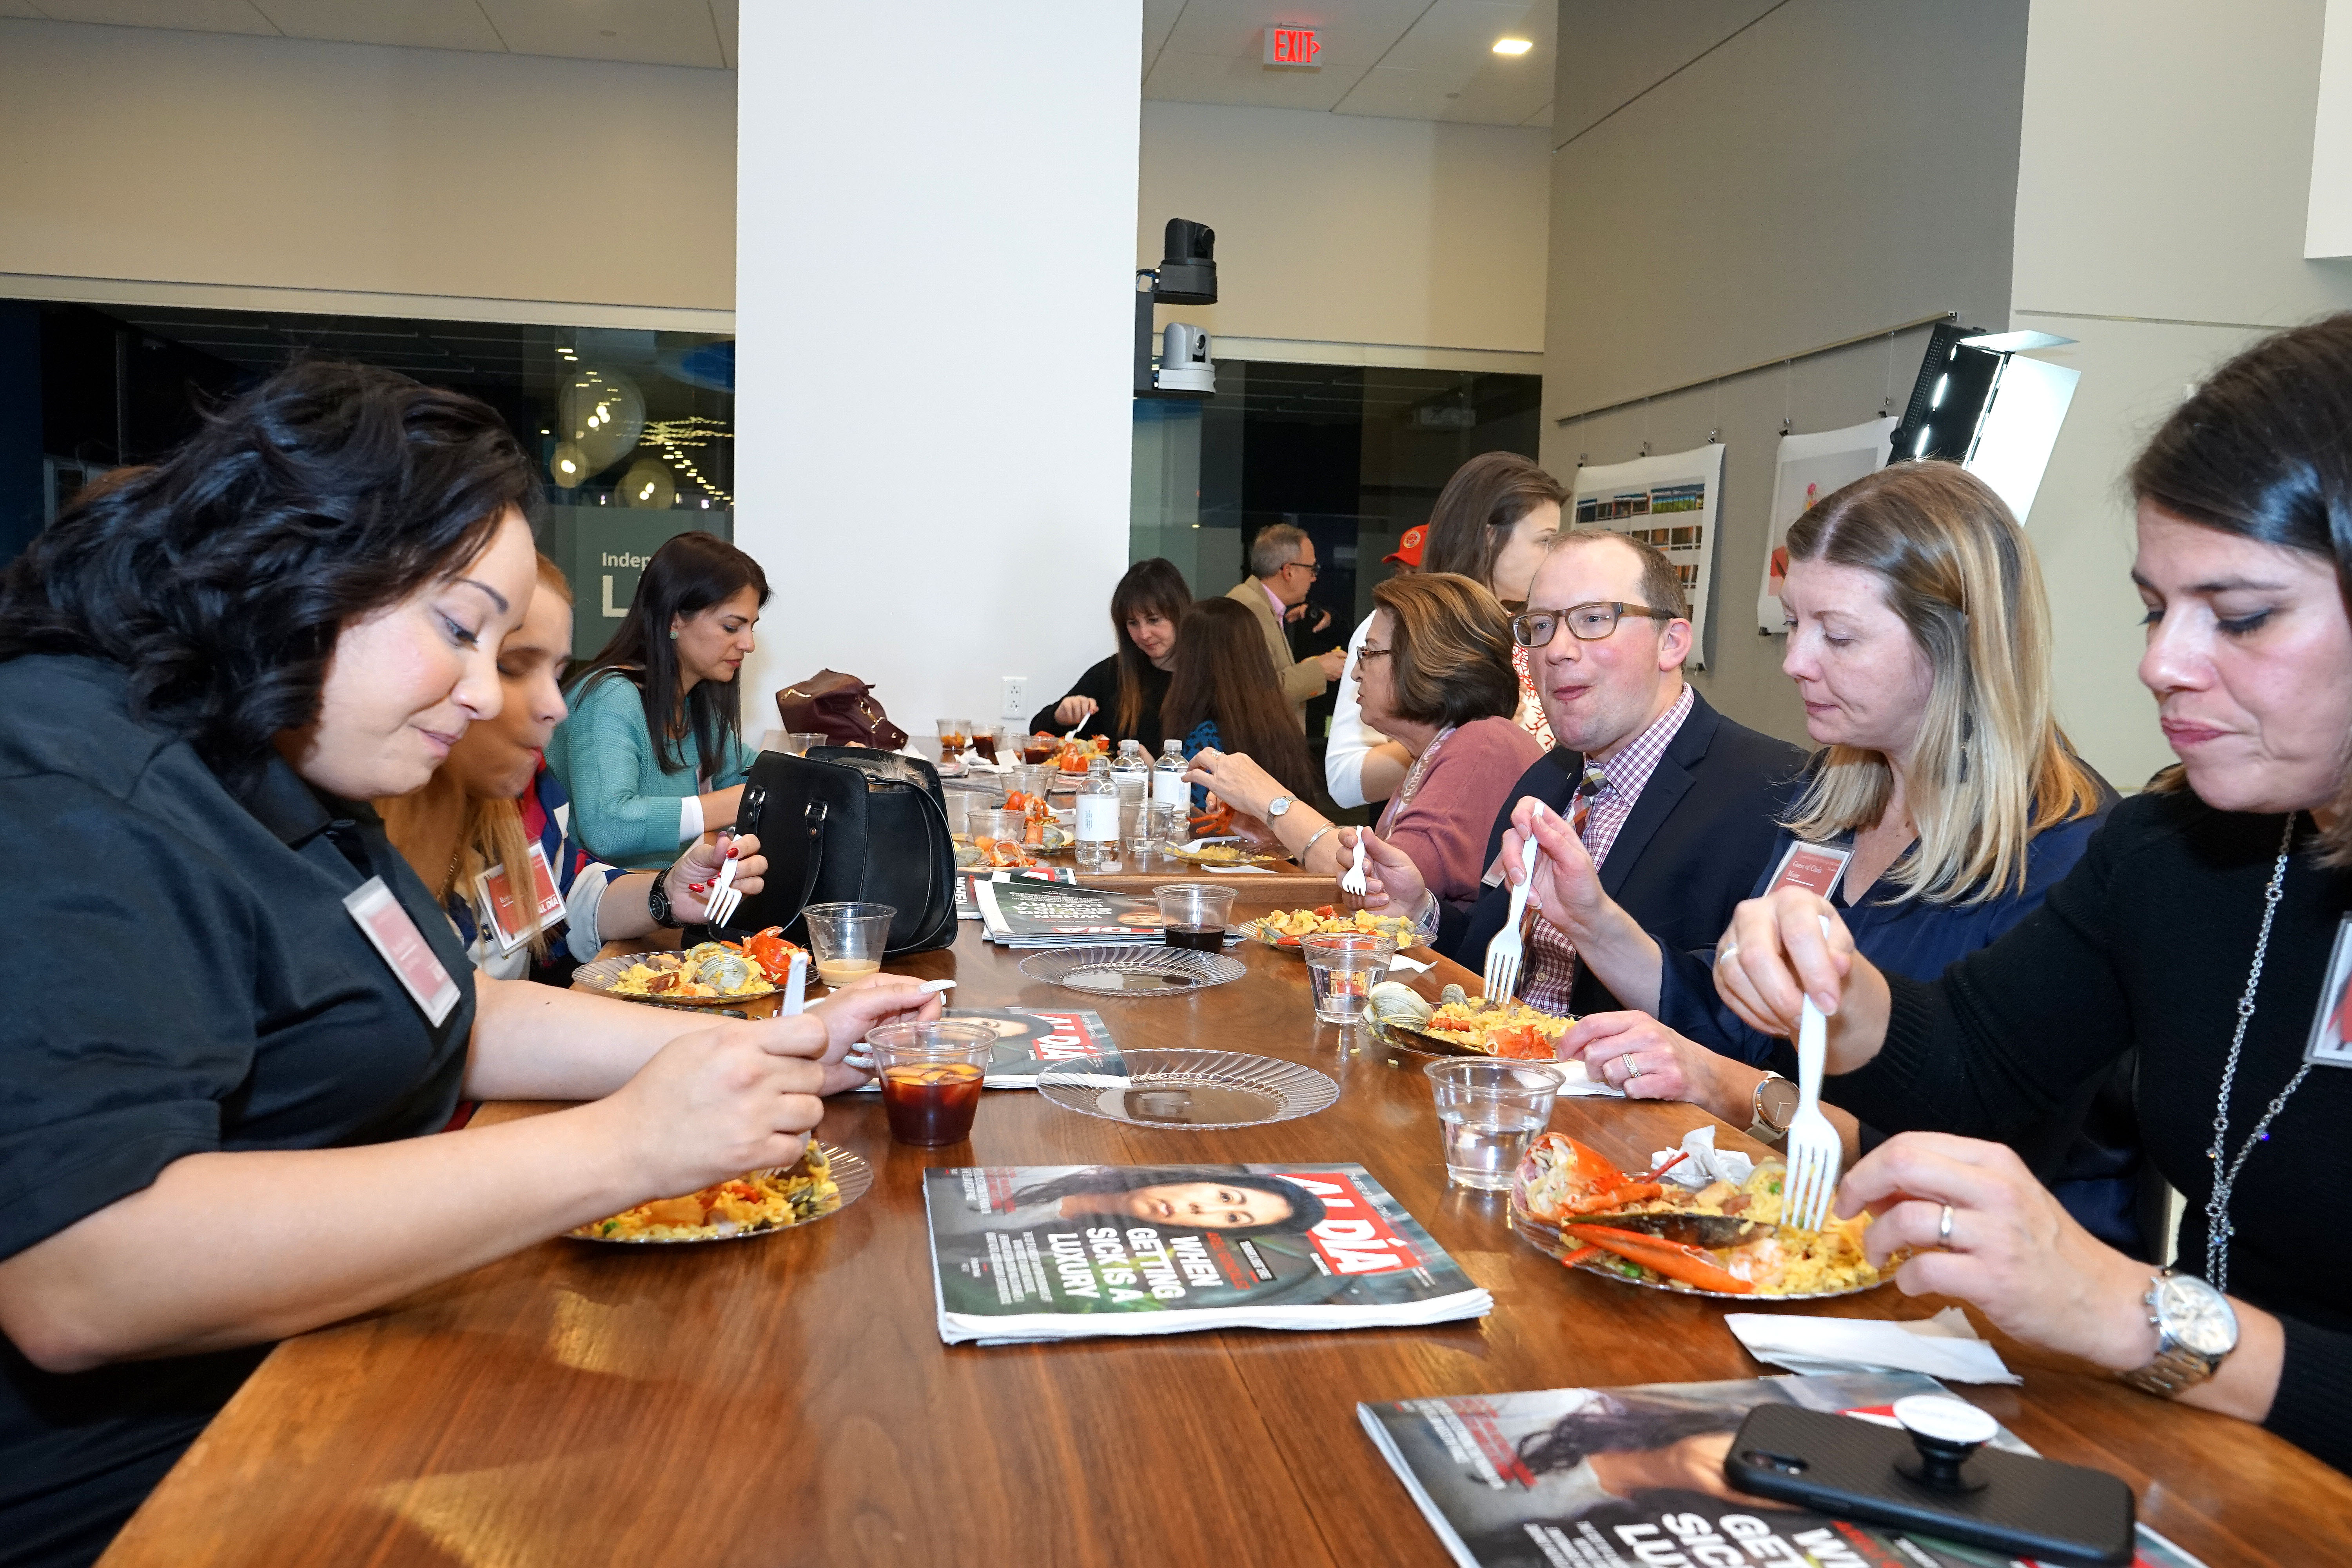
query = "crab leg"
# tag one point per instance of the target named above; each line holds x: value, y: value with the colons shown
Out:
x: 1691, y: 1265
x: 1616, y: 1197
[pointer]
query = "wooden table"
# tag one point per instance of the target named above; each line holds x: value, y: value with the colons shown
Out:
x: 787, y: 1399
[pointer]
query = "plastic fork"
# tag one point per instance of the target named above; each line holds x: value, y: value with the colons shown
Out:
x: 1078, y: 726
x: 1501, y: 980
x: 796, y: 1000
x: 724, y: 900
x: 1815, y: 1155
x: 1351, y: 880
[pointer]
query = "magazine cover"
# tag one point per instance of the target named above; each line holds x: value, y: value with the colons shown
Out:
x: 1039, y: 1252
x: 1600, y: 1477
x: 968, y: 908
x: 1031, y: 1039
x: 1024, y: 914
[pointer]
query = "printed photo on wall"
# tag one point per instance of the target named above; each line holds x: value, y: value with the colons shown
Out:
x: 1812, y: 466
x: 1630, y: 497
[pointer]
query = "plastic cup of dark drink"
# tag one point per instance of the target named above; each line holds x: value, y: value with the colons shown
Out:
x: 931, y: 1075
x: 1194, y: 914
x: 983, y: 741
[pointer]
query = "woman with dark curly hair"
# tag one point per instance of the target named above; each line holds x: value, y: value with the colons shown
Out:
x: 211, y: 1135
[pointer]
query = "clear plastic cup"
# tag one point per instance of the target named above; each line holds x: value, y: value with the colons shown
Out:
x: 1030, y: 780
x: 848, y: 939
x: 1343, y: 968
x: 798, y: 741
x: 1135, y: 828
x: 986, y: 824
x: 931, y: 1073
x: 1488, y: 1113
x: 1196, y: 914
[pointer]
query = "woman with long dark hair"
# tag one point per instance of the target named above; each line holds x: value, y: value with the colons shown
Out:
x: 215, y: 1120
x: 653, y: 754
x: 1223, y: 695
x: 2204, y: 926
x: 1203, y: 1197
x: 1492, y: 523
x: 1123, y: 694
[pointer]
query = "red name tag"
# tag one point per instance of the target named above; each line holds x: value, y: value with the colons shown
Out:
x: 403, y: 949
x: 1815, y: 868
x: 494, y: 895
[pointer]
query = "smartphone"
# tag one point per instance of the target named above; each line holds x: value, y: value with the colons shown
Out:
x: 1847, y: 1467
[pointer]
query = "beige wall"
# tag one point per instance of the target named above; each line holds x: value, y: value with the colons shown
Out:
x: 1349, y: 229
x: 1782, y: 178
x: 211, y: 159
x: 2164, y: 175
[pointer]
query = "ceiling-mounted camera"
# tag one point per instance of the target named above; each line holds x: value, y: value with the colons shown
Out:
x: 1187, y: 275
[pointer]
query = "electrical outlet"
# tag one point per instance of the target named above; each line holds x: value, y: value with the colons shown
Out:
x: 1016, y: 697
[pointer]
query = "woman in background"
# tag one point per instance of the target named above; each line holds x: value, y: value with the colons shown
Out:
x: 1223, y: 696
x: 1436, y: 674
x: 1492, y: 523
x: 495, y: 800
x: 1127, y: 689
x: 653, y: 754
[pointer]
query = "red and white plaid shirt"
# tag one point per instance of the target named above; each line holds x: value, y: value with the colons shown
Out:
x: 1550, y: 972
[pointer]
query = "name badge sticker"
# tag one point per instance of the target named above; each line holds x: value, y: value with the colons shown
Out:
x: 2331, y: 1029
x: 1815, y: 868
x: 494, y: 896
x: 403, y: 948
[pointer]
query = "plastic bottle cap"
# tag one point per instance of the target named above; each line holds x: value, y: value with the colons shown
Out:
x: 1943, y: 1419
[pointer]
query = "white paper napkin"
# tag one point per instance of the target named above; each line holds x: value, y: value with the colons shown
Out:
x: 1237, y: 870
x: 1944, y: 1346
x: 1400, y: 961
x: 1706, y: 1162
x: 1578, y: 1081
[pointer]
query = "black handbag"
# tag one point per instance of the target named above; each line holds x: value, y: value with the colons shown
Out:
x: 843, y: 825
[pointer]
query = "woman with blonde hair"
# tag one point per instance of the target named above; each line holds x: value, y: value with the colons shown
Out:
x: 1944, y: 803
x: 471, y: 832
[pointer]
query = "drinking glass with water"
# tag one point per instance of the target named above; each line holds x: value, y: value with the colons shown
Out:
x: 1488, y: 1113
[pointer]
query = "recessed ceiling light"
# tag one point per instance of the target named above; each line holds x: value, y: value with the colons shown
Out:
x: 1513, y: 45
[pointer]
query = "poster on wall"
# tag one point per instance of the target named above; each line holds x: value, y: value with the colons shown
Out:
x: 1668, y: 500
x: 1811, y: 466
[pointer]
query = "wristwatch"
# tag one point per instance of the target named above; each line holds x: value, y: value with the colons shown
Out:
x: 1771, y: 1108
x: 2196, y: 1328
x: 1277, y: 805
x: 657, y: 901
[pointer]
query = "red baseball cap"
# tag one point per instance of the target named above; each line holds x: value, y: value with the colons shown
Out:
x: 1407, y: 550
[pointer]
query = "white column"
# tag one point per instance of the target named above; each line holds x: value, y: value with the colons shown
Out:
x: 934, y: 308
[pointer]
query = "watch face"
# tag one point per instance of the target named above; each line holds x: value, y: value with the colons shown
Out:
x: 2198, y: 1316
x: 1778, y: 1097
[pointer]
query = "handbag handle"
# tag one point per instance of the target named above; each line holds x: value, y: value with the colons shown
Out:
x: 815, y: 813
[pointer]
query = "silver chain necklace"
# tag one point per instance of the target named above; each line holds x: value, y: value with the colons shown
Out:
x: 2218, y: 1228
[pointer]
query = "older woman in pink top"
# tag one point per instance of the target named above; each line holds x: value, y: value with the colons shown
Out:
x: 1433, y: 673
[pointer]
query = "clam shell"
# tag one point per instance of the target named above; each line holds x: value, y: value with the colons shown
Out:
x: 1391, y: 1002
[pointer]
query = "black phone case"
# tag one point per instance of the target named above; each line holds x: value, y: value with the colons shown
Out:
x: 1845, y: 1467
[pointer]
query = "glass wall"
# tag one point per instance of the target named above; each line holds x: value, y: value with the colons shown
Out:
x: 633, y: 430
x: 1353, y: 454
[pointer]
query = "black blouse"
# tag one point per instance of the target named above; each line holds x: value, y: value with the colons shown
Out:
x: 2147, y: 943
x: 1101, y: 683
x: 203, y: 988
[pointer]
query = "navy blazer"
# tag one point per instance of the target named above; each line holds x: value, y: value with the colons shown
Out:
x: 1697, y: 840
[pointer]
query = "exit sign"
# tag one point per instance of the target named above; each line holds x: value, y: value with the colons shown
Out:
x: 1293, y: 48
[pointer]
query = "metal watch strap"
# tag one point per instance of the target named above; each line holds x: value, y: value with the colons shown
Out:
x: 1760, y: 1130
x: 658, y: 900
x: 2175, y: 1367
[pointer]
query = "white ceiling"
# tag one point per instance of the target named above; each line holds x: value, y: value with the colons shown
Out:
x: 647, y: 32
x: 1405, y: 60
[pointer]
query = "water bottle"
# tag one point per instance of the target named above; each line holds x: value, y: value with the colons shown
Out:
x: 1167, y: 785
x: 1134, y: 763
x: 1097, y: 823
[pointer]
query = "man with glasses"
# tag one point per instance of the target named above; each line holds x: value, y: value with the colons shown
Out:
x: 1282, y: 572
x: 1678, y: 804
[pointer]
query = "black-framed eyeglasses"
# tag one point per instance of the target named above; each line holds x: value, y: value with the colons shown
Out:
x: 1309, y: 567
x: 1585, y: 623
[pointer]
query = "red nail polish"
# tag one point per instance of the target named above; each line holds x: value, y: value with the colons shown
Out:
x: 731, y: 852
x: 695, y: 887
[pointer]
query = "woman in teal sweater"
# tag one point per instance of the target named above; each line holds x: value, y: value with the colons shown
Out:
x: 653, y: 754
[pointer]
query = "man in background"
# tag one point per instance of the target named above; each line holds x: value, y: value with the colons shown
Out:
x: 1282, y: 572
